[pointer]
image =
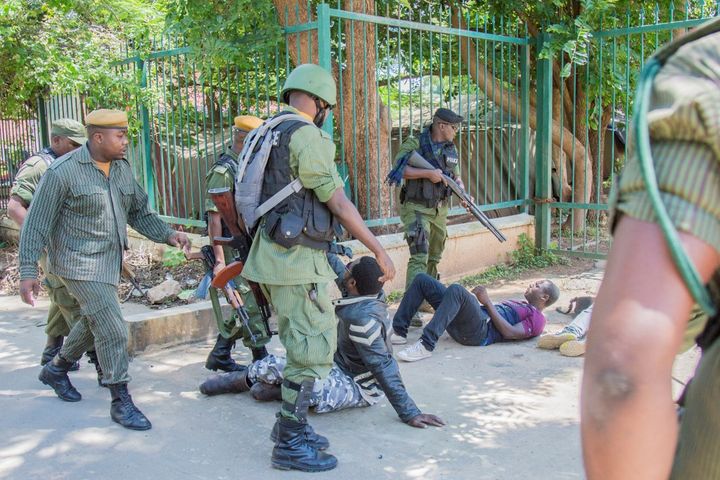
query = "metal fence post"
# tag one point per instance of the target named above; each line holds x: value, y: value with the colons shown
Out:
x: 525, y: 127
x: 43, y: 122
x: 325, y: 61
x: 148, y: 170
x: 543, y: 147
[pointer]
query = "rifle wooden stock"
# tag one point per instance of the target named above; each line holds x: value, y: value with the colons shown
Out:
x: 416, y: 160
x: 233, y: 270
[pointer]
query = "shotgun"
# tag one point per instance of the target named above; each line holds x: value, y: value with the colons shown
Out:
x: 416, y: 160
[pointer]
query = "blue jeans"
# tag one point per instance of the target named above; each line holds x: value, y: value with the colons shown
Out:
x: 456, y: 310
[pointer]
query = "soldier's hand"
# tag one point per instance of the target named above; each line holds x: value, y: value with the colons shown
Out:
x: 426, y: 419
x: 436, y: 176
x: 387, y: 267
x: 29, y: 289
x: 218, y: 267
x: 180, y: 240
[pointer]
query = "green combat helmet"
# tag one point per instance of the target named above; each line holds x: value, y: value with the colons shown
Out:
x: 312, y: 79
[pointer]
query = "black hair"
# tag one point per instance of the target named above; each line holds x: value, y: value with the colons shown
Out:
x: 366, y: 272
x: 552, y: 291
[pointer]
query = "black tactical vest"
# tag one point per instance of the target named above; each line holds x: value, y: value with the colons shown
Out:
x: 301, y: 219
x: 423, y: 191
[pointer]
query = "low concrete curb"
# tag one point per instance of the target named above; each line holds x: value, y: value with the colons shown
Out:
x: 172, y: 326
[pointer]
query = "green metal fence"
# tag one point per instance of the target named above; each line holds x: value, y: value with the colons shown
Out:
x: 596, y: 102
x: 394, y: 68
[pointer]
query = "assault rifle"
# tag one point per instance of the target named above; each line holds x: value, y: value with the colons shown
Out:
x: 241, y: 241
x: 226, y: 328
x: 416, y: 160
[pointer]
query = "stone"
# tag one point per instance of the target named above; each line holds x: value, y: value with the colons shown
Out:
x: 167, y: 290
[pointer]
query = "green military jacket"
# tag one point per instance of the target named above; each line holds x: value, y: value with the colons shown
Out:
x: 312, y: 160
x: 219, y: 176
x: 81, y: 216
x: 28, y: 178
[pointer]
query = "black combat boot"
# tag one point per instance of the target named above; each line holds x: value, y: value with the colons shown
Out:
x: 93, y: 358
x: 220, y: 359
x: 231, y: 382
x: 258, y: 353
x: 52, y: 348
x: 265, y: 392
x: 313, y: 439
x: 292, y: 449
x: 124, y: 411
x: 55, y: 375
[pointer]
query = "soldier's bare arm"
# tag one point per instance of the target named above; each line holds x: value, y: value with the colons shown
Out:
x: 629, y: 425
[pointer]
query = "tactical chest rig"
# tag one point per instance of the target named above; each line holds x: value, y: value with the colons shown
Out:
x: 423, y: 191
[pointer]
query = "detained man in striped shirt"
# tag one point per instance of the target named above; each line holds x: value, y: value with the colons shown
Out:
x: 80, y: 213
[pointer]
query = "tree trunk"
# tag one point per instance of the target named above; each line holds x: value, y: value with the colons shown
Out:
x: 365, y: 126
x: 361, y: 118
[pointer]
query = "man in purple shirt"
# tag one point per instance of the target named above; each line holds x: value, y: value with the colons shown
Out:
x: 469, y: 318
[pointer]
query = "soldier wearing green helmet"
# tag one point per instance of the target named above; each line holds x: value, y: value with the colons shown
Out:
x: 288, y: 258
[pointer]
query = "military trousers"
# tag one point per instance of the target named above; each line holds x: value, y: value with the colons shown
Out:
x: 100, y: 322
x: 307, y: 329
x: 425, y: 233
x: 698, y: 450
x: 60, y: 318
x: 336, y: 392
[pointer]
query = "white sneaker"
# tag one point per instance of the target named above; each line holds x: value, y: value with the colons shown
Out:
x: 414, y: 353
x: 396, y: 339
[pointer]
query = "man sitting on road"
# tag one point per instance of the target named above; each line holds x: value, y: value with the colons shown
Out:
x: 363, y: 368
x: 470, y: 318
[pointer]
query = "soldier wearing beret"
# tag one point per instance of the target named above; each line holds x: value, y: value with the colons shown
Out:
x: 222, y: 175
x: 80, y: 214
x: 66, y: 135
x: 424, y: 196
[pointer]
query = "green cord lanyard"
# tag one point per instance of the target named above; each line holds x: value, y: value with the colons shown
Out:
x: 640, y: 130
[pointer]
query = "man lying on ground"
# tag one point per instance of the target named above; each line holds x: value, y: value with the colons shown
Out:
x: 363, y: 369
x: 470, y: 318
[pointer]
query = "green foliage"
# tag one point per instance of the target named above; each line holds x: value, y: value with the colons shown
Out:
x: 69, y: 46
x: 173, y: 257
x: 225, y: 32
x: 395, y: 296
x: 525, y: 258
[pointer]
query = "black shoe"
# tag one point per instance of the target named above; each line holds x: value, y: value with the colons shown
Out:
x: 93, y: 358
x: 124, y: 411
x: 313, y: 439
x: 52, y: 348
x: 232, y: 382
x: 259, y: 353
x: 293, y: 452
x: 219, y: 357
x: 54, y: 374
x: 265, y: 392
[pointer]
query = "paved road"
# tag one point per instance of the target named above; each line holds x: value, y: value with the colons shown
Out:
x: 512, y: 412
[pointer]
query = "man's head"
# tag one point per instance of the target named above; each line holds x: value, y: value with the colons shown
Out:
x: 361, y: 277
x: 311, y: 89
x: 446, y: 124
x: 66, y: 135
x: 542, y: 294
x: 242, y: 125
x: 107, y: 134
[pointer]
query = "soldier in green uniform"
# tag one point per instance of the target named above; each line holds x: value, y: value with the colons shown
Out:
x: 66, y: 135
x: 288, y: 257
x: 222, y: 175
x: 424, y: 196
x: 80, y: 215
x: 665, y: 257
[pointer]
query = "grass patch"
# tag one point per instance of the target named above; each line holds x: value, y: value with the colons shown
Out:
x: 395, y: 296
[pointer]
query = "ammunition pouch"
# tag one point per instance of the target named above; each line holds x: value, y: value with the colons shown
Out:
x: 313, y: 226
x: 424, y: 192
